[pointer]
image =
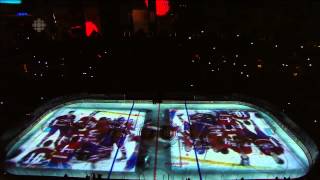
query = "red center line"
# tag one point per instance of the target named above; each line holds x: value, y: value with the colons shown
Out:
x: 157, y: 142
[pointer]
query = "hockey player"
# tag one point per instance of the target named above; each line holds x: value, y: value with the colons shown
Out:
x: 102, y: 128
x: 228, y: 133
x: 195, y: 132
x: 87, y: 121
x: 132, y: 161
x: 93, y: 142
x: 38, y: 157
x: 64, y: 152
x: 268, y: 145
x: 216, y: 133
x: 216, y: 139
x: 238, y: 136
x: 63, y: 124
x: 116, y: 135
x: 91, y: 132
x: 119, y: 136
x: 200, y: 123
x: 185, y: 133
x: 243, y: 115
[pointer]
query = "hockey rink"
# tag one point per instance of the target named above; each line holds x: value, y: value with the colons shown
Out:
x: 145, y: 140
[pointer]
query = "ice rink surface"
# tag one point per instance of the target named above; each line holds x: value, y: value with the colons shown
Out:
x: 220, y: 140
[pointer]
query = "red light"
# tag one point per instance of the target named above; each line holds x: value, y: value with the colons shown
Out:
x: 90, y: 28
x: 162, y: 7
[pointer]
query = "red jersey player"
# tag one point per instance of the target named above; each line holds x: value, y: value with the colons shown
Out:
x: 63, y: 124
x: 87, y: 121
x: 268, y: 145
x: 64, y: 152
x: 38, y: 157
x: 229, y: 133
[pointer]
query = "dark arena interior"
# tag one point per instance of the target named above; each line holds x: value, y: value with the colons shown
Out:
x: 159, y: 89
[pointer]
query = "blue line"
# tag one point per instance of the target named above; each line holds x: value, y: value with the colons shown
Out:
x: 194, y: 147
x: 157, y: 145
x: 114, y: 159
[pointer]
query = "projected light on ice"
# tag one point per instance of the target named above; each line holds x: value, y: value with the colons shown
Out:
x: 83, y: 139
x: 118, y: 139
x: 228, y: 139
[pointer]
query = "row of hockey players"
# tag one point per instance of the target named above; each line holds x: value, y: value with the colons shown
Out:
x: 88, y: 139
x: 225, y: 130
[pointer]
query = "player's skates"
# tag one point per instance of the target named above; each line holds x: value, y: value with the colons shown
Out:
x: 123, y: 157
x: 244, y: 160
